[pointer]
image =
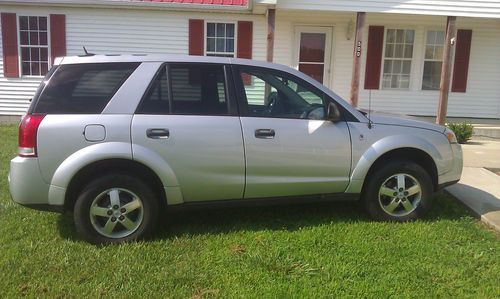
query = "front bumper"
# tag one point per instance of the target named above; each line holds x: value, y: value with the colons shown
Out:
x: 453, y: 175
x: 26, y: 185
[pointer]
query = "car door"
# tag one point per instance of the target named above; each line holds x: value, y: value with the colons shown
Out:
x: 189, y: 120
x: 290, y: 148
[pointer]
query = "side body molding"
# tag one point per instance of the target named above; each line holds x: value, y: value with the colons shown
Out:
x: 387, y: 144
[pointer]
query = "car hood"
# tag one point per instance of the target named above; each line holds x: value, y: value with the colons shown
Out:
x: 385, y: 118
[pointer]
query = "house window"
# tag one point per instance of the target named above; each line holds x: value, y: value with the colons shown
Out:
x: 433, y: 60
x: 220, y: 39
x: 397, y: 58
x: 33, y: 46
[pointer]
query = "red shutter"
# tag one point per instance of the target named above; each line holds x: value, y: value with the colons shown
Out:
x: 196, y: 33
x: 9, y: 45
x: 57, y: 36
x: 374, y: 57
x: 244, y: 45
x: 245, y: 38
x: 461, y: 64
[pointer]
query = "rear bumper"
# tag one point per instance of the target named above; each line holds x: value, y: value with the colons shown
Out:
x: 26, y: 185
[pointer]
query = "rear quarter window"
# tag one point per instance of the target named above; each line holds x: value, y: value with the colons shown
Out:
x: 82, y: 88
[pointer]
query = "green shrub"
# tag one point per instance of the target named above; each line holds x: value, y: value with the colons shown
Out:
x: 463, y: 131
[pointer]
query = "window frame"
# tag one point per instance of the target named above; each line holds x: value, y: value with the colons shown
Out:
x: 215, y: 53
x: 242, y: 98
x: 412, y: 59
x: 232, y: 106
x: 424, y: 47
x: 19, y: 56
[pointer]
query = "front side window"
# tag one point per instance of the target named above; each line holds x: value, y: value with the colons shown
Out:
x: 433, y: 60
x: 220, y: 39
x: 82, y: 88
x: 281, y: 96
x: 33, y: 45
x: 397, y: 58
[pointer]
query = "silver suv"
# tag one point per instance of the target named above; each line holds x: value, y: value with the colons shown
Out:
x: 117, y: 139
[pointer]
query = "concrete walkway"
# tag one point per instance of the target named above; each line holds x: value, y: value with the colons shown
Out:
x: 479, y: 188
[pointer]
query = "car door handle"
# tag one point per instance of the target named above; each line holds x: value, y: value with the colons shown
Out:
x: 158, y: 133
x: 265, y: 133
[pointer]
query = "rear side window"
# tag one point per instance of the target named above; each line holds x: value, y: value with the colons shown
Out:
x: 198, y: 89
x: 82, y: 88
x: 194, y: 89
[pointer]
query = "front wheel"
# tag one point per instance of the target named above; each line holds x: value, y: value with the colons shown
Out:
x: 398, y: 191
x: 115, y: 208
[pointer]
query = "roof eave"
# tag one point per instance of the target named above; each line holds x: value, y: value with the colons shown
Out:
x: 135, y: 5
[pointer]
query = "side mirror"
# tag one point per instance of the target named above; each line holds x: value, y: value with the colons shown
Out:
x: 333, y: 113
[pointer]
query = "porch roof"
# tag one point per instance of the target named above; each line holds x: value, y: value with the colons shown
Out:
x: 461, y: 8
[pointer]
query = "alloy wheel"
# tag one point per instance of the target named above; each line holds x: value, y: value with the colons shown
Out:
x: 400, y: 195
x: 116, y: 213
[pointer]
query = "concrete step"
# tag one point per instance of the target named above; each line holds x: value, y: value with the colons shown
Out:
x: 479, y: 190
x: 488, y: 132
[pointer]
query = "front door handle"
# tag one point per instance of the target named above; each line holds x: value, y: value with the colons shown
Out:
x: 265, y: 133
x: 158, y: 133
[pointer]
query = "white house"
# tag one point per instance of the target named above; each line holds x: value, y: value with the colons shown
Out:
x: 389, y: 50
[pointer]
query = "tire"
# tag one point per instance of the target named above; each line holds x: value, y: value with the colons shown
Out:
x: 393, y: 204
x: 115, y: 208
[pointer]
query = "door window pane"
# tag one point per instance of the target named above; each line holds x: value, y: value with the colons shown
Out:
x: 314, y: 71
x: 156, y: 100
x: 312, y: 47
x: 312, y: 55
x: 198, y: 89
x: 281, y: 96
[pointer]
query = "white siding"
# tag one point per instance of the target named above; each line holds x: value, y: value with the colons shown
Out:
x: 482, y: 98
x: 119, y: 31
x: 470, y: 8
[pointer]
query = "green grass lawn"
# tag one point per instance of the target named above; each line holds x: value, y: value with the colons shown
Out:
x: 323, y: 250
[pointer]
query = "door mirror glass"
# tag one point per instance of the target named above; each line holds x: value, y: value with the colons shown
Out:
x: 333, y: 113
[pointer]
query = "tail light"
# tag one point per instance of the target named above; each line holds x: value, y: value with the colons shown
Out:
x: 27, y: 135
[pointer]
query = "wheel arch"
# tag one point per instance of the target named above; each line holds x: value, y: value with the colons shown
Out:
x: 412, y: 154
x: 97, y: 168
x: 409, y: 147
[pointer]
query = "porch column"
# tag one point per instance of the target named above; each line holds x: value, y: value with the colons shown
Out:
x: 444, y: 87
x: 271, y: 17
x: 360, y: 24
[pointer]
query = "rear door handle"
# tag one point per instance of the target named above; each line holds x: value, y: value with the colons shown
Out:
x: 265, y: 133
x: 158, y: 133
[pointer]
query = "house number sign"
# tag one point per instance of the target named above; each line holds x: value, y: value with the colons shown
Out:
x: 358, y: 49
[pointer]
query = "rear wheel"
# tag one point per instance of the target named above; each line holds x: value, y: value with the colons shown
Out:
x: 398, y: 191
x: 115, y: 208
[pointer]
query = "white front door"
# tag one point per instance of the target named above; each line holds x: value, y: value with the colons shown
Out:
x: 313, y: 52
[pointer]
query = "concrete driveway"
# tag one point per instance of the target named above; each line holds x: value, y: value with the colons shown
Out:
x: 479, y: 188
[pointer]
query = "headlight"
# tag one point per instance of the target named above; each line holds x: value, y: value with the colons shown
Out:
x: 450, y: 136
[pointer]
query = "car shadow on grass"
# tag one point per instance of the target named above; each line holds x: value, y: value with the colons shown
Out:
x: 283, y: 218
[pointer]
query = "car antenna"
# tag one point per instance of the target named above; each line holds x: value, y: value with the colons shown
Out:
x: 369, y: 108
x: 87, y: 53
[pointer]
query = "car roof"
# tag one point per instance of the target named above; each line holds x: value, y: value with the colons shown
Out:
x: 102, y: 58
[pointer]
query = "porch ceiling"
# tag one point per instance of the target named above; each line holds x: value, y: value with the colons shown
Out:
x: 465, y: 8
